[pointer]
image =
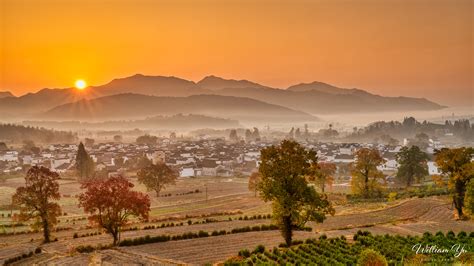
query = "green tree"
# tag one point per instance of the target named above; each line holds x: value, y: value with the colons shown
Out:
x: 365, y: 175
x: 84, y: 163
x: 35, y: 199
x: 283, y: 170
x: 457, y: 165
x: 469, y: 197
x: 157, y: 176
x: 370, y: 257
x: 412, y: 165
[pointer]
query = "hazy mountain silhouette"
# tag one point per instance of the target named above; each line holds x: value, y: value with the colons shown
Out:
x: 322, y: 87
x: 315, y: 98
x: 5, y: 94
x: 174, y: 122
x: 150, y: 85
x: 217, y: 83
x: 317, y: 102
x: 133, y: 106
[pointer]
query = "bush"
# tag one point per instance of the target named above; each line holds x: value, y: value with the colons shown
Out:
x: 370, y: 257
x: 244, y: 253
x: 85, y: 249
x: 75, y: 235
x: 259, y: 249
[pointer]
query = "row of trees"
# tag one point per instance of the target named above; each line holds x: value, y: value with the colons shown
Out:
x: 110, y: 202
x: 287, y: 171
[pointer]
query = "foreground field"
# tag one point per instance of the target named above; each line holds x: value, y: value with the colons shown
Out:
x: 228, y: 205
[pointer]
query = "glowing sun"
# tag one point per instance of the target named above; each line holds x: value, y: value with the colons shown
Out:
x: 80, y: 84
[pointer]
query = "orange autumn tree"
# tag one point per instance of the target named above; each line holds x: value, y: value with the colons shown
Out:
x: 324, y: 175
x: 111, y: 202
x: 36, y: 199
x: 254, y: 179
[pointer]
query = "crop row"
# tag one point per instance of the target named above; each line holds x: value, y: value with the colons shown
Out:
x: 337, y: 251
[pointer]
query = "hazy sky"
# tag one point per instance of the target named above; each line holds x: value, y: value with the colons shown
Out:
x: 389, y: 47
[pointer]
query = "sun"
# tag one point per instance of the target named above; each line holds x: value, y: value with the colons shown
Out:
x: 80, y: 84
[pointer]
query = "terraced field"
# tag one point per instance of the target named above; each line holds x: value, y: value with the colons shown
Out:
x: 226, y: 198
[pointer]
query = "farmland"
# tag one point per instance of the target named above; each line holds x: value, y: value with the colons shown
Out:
x: 186, y: 207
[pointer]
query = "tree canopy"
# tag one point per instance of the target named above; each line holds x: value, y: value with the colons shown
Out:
x: 284, y: 169
x: 366, y: 177
x: 412, y: 165
x: 111, y: 202
x: 84, y: 163
x: 324, y: 175
x: 457, y: 165
x: 157, y: 176
x: 36, y: 199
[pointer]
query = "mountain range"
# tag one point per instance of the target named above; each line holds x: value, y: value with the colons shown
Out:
x: 137, y: 95
x: 6, y: 94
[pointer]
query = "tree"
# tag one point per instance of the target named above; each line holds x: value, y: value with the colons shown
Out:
x: 421, y: 140
x: 143, y: 162
x: 89, y: 142
x: 118, y: 138
x: 457, y: 165
x: 233, y: 135
x: 370, y: 257
x: 284, y: 169
x: 84, y: 163
x: 3, y: 146
x: 324, y: 175
x: 365, y: 175
x: 412, y: 165
x: 147, y: 139
x: 30, y: 146
x: 469, y: 197
x: 111, y: 202
x: 156, y: 177
x: 35, y: 199
x: 254, y: 179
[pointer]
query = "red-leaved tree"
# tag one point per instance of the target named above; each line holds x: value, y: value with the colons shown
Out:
x: 111, y: 202
x: 37, y: 199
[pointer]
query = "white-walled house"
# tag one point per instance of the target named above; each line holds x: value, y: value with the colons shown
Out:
x: 433, y: 169
x: 187, y: 172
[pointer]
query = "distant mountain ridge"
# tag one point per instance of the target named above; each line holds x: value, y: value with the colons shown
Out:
x: 137, y: 106
x: 174, y: 122
x: 314, y: 98
x: 6, y: 94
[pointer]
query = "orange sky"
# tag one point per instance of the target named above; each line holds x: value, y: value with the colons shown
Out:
x: 389, y: 47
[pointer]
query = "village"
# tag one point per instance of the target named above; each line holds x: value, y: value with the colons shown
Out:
x: 191, y: 157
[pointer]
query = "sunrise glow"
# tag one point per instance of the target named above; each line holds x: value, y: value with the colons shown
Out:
x: 80, y: 84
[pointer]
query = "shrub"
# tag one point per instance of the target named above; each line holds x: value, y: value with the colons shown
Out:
x: 370, y: 257
x: 85, y: 249
x: 259, y: 249
x: 75, y: 235
x: 244, y: 253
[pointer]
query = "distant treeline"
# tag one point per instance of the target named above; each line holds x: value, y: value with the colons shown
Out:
x: 19, y: 133
x: 410, y: 127
x: 175, y: 122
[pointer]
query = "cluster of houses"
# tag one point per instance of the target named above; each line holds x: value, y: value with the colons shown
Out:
x: 191, y: 158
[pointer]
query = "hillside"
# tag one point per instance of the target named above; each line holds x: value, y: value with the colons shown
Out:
x: 6, y: 94
x: 149, y: 85
x: 315, y: 98
x: 19, y: 133
x: 320, y: 102
x: 132, y: 106
x: 175, y: 122
x: 217, y: 83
